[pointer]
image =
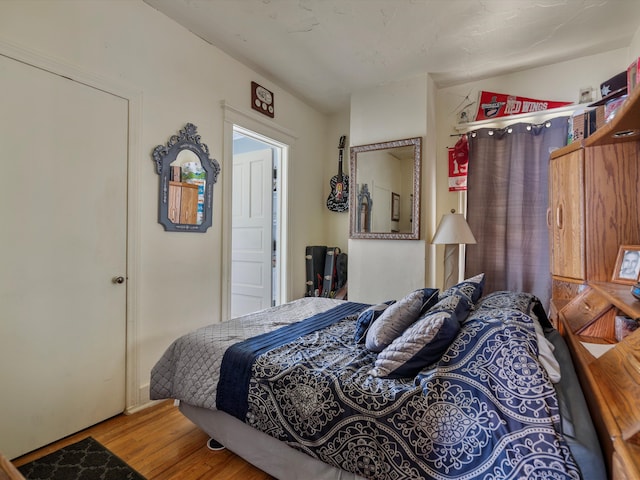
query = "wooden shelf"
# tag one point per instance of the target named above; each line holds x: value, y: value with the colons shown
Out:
x: 610, y: 376
x: 611, y: 386
x: 618, y: 374
x: 624, y: 121
x: 620, y: 296
x: 572, y: 147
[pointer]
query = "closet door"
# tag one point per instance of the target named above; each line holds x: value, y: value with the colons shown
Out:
x: 63, y: 204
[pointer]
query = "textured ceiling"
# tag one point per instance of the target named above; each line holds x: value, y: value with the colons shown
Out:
x: 322, y: 50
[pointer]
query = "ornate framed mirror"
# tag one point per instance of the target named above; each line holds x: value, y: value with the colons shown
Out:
x: 187, y: 175
x: 385, y: 190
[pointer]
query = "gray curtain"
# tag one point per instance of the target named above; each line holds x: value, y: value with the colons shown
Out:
x: 507, y: 200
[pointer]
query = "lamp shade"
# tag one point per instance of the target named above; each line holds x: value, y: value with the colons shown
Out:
x: 453, y: 229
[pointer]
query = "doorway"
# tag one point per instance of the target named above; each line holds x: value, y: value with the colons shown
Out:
x: 256, y: 226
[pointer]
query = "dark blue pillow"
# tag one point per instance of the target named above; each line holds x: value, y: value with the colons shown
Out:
x: 471, y: 287
x: 367, y: 317
x: 430, y: 298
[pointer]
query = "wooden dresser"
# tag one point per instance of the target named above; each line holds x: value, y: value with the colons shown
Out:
x: 594, y: 208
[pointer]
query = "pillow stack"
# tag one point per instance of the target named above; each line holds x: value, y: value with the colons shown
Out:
x: 409, y: 338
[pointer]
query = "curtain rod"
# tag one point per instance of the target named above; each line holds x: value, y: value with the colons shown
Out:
x: 503, y: 122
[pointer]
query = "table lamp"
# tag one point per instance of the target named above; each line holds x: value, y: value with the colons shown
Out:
x: 452, y: 232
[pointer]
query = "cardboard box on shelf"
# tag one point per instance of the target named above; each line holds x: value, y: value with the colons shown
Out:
x: 578, y: 126
x: 600, y: 118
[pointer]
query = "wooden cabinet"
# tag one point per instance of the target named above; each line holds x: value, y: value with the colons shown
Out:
x: 594, y: 208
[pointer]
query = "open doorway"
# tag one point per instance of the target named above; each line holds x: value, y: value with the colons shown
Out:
x: 256, y: 226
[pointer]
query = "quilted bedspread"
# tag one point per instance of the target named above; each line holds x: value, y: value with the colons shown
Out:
x: 486, y: 410
x: 189, y: 368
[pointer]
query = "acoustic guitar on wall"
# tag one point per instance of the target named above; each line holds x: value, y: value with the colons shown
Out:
x: 338, y: 200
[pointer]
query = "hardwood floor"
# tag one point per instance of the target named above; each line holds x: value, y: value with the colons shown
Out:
x: 161, y: 443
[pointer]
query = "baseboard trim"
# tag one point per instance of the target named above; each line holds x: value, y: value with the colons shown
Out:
x: 144, y: 406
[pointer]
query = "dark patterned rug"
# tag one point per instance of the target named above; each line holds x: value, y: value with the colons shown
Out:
x: 85, y: 460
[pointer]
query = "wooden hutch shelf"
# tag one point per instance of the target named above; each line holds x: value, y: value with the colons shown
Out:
x: 594, y: 205
x: 620, y: 296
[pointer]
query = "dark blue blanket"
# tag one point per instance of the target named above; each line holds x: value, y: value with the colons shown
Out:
x: 235, y: 372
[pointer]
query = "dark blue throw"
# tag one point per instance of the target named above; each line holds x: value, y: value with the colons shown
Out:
x: 235, y: 371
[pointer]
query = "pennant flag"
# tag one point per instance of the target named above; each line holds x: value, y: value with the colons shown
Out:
x: 458, y: 164
x: 494, y: 105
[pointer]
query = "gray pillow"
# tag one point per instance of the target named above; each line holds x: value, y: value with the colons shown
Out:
x: 396, y: 318
x: 424, y: 342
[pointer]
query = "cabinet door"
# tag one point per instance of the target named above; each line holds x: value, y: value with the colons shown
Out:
x: 612, y: 203
x: 566, y: 196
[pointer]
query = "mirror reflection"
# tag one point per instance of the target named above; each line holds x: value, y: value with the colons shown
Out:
x: 385, y: 193
x: 186, y: 189
x: 187, y: 175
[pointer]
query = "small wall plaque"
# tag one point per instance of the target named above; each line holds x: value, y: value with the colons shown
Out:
x: 262, y: 100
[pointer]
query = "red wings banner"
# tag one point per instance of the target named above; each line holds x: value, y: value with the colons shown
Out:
x: 494, y: 105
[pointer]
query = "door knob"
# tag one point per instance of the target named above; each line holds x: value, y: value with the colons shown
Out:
x: 118, y: 280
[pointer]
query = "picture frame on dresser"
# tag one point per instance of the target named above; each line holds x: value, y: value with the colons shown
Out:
x: 627, y: 268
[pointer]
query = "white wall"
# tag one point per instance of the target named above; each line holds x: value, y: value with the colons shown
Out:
x: 380, y: 270
x: 634, y: 47
x: 387, y: 269
x: 182, y: 79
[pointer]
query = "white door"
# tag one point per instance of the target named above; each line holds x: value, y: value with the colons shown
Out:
x: 62, y: 241
x: 251, y: 243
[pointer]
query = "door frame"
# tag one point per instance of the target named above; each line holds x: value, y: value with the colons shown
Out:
x: 133, y: 96
x: 273, y: 134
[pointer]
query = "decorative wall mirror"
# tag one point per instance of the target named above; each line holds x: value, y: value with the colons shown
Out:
x: 187, y: 176
x: 385, y: 193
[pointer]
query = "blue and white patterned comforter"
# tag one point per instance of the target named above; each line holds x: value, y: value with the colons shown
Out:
x: 486, y: 410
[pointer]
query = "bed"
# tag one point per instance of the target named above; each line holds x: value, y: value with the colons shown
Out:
x: 442, y: 385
